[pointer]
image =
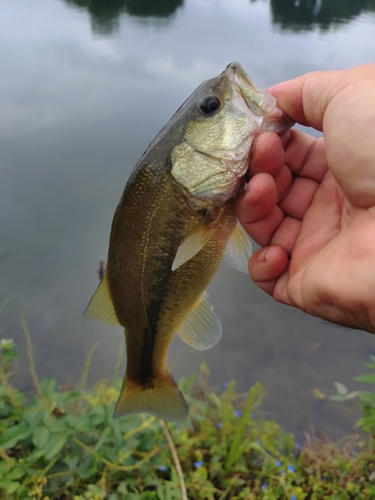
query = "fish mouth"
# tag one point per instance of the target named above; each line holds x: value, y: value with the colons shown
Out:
x: 247, y: 97
x: 236, y: 74
x: 252, y: 101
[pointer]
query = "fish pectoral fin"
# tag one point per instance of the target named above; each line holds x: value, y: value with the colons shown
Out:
x: 201, y: 328
x: 101, y: 306
x: 194, y: 242
x: 238, y: 250
x: 164, y: 400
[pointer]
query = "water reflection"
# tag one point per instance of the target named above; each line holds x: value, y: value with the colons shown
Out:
x: 77, y: 112
x: 297, y: 15
x: 146, y: 8
x: 105, y: 14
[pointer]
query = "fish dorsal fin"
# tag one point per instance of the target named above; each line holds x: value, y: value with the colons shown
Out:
x: 194, y: 242
x: 202, y: 328
x: 238, y: 249
x: 101, y: 306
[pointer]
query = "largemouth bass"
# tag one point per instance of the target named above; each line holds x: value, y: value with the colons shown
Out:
x: 172, y: 227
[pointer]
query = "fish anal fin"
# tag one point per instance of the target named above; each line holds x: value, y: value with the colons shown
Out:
x: 238, y: 249
x: 101, y: 307
x: 164, y: 400
x: 201, y: 329
x: 193, y: 243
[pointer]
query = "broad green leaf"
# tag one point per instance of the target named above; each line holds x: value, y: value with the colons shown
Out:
x: 341, y: 389
x: 98, y: 415
x: 88, y: 468
x: 40, y: 436
x: 160, y: 490
x: 54, y: 445
x: 215, y: 400
x: 367, y: 397
x: 34, y: 416
x: 9, y: 486
x: 5, y: 467
x: 71, y: 461
x: 68, y: 397
x: 54, y: 424
x: 96, y: 491
x: 79, y: 423
x: 337, y: 397
x: 16, y: 473
x: 49, y: 386
x: 13, y: 487
x: 352, y: 395
x: 368, y: 377
x: 371, y: 489
x: 104, y: 438
x: 122, y: 488
x: 13, y: 435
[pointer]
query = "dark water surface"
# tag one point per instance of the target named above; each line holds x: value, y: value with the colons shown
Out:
x: 84, y: 87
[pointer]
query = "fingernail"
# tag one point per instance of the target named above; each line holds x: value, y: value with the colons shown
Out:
x: 262, y: 257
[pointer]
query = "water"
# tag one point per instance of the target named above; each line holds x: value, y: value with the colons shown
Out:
x: 84, y: 87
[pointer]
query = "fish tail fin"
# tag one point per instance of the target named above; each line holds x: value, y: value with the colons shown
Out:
x: 164, y: 399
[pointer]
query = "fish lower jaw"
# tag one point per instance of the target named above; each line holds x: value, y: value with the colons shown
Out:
x: 276, y: 121
x: 220, y: 194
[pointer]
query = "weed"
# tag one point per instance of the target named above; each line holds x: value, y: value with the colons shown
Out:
x: 63, y: 444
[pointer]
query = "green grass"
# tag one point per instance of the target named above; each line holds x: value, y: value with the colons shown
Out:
x: 63, y: 444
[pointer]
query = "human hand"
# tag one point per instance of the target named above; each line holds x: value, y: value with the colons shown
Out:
x: 312, y: 206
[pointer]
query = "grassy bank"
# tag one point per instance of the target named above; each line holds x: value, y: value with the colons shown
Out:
x: 63, y: 444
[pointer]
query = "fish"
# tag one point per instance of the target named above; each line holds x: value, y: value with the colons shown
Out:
x: 171, y: 229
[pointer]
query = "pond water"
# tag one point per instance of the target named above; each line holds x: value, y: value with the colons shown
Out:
x: 84, y: 87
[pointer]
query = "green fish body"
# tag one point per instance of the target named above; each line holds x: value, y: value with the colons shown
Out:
x: 172, y: 227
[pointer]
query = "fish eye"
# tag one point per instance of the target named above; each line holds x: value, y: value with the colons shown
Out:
x: 209, y: 104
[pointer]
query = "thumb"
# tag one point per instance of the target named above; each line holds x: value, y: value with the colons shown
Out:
x: 342, y: 105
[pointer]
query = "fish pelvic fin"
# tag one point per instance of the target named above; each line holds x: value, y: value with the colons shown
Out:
x: 201, y: 328
x: 238, y: 250
x: 101, y: 307
x: 164, y: 400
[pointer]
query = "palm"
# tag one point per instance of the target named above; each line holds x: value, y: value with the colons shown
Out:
x: 314, y: 234
x: 312, y: 206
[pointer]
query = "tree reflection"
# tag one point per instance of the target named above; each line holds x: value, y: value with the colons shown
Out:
x: 294, y: 15
x: 155, y: 8
x: 306, y: 14
x: 105, y: 14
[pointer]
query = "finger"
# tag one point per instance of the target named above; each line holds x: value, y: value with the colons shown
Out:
x: 306, y: 98
x: 286, y: 234
x: 305, y: 155
x: 266, y: 266
x: 299, y: 197
x: 341, y: 93
x: 258, y: 200
x: 267, y: 154
x: 283, y: 182
x: 257, y: 211
x: 264, y: 229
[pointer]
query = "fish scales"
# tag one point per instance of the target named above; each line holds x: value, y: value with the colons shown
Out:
x: 173, y: 225
x: 146, y: 258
